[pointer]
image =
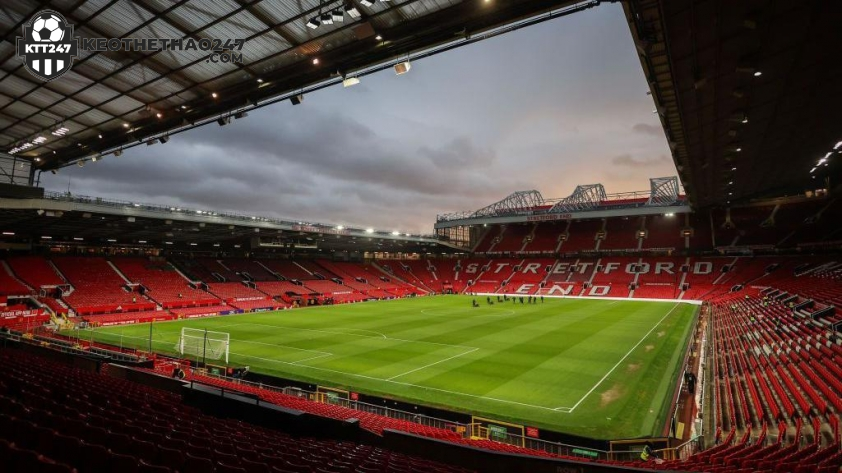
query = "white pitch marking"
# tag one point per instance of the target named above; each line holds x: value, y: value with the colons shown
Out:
x: 432, y: 364
x: 623, y: 358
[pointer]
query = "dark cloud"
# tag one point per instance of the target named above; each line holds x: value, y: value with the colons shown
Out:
x: 651, y: 130
x: 462, y: 130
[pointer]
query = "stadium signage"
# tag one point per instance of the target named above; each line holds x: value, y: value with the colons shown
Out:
x: 584, y: 267
x: 548, y: 217
x: 48, y: 47
x: 13, y: 314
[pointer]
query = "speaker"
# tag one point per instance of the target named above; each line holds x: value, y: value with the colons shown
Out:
x: 297, y: 99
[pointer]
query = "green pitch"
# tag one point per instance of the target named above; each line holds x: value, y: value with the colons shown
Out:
x: 597, y: 368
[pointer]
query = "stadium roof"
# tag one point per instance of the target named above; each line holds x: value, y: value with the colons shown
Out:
x: 748, y: 92
x: 79, y: 220
x: 110, y: 100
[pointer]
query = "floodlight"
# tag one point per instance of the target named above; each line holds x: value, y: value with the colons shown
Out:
x: 314, y: 23
x: 350, y: 81
x: 366, y: 3
x: 402, y: 67
x: 338, y: 15
x: 352, y: 11
x: 223, y: 121
x: 326, y: 18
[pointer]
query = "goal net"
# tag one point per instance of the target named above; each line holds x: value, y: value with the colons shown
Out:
x: 195, y: 343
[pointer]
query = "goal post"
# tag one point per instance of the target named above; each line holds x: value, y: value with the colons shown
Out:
x: 207, y: 344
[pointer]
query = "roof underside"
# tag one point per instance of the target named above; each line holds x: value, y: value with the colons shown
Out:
x: 737, y: 135
x: 118, y: 94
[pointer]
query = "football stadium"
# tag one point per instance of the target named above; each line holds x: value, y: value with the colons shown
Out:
x: 207, y: 305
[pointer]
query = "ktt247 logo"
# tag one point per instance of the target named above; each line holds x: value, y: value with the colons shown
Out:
x: 47, y: 47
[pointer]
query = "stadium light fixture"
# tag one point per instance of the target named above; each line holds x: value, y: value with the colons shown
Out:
x: 118, y: 153
x: 338, y: 15
x: 315, y: 61
x: 78, y: 239
x: 60, y: 131
x: 112, y: 240
x: 340, y: 227
x: 39, y: 140
x: 734, y: 168
x: 259, y: 80
x: 125, y: 125
x: 141, y: 241
x: 352, y: 11
x: 45, y: 237
x: 164, y: 139
x: 168, y: 243
x: 159, y: 115
x: 240, y: 115
x: 9, y: 233
x: 214, y: 95
x: 100, y: 136
x: 350, y: 81
x: 402, y: 68
x: 37, y: 160
x: 758, y: 73
x: 838, y: 145
x: 314, y: 23
x: 223, y: 121
x: 396, y: 233
x: 326, y: 18
x: 369, y: 230
x: 738, y: 150
x: 366, y: 3
x: 379, y: 38
x: 813, y: 170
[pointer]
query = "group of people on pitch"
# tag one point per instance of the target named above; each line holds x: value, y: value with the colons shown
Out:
x: 505, y: 298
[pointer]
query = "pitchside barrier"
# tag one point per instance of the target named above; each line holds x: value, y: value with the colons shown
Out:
x: 514, y: 434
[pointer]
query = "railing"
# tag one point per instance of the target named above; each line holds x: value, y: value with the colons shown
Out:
x: 177, y: 210
x: 551, y: 448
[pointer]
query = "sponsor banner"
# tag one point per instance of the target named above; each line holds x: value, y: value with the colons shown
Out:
x: 21, y: 313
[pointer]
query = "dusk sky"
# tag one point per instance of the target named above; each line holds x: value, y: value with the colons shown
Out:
x: 546, y: 107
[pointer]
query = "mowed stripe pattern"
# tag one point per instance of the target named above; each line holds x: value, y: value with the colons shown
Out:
x: 616, y: 363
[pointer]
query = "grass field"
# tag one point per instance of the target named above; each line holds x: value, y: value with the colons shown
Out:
x: 597, y: 368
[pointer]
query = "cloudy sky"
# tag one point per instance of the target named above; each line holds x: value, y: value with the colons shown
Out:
x: 546, y: 107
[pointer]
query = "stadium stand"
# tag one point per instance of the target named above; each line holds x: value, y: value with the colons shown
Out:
x: 61, y: 419
x: 98, y: 289
x: 163, y: 283
x: 35, y: 271
x: 235, y: 291
x: 664, y: 232
x: 288, y: 269
x: 10, y: 285
x: 581, y: 236
x: 401, y: 271
x: 249, y: 269
x: 621, y: 234
x: 545, y: 238
x: 514, y: 238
